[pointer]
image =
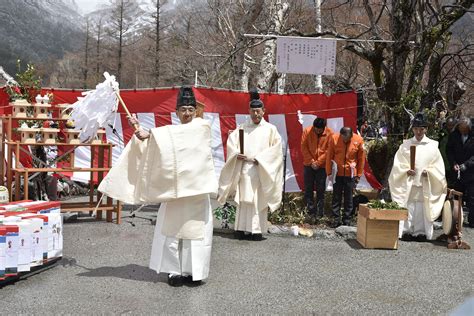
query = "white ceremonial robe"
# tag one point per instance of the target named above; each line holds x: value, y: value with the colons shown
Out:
x: 257, y: 187
x: 175, y: 168
x: 422, y: 196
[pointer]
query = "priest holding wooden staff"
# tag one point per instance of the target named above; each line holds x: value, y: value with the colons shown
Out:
x: 172, y: 165
x: 417, y: 181
x: 253, y: 172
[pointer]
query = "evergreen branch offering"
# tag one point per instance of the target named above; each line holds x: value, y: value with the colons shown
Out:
x: 226, y: 213
x: 376, y: 204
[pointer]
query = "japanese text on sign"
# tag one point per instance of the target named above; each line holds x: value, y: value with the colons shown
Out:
x: 312, y: 56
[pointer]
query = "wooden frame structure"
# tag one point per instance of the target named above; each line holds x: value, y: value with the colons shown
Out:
x: 14, y: 172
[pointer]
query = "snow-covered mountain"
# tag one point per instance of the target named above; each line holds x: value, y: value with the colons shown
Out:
x: 37, y: 30
x: 138, y: 15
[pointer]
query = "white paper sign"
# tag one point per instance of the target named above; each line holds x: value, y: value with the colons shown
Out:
x: 311, y: 56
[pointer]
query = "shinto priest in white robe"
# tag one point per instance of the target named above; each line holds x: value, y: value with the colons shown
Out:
x: 257, y: 187
x: 173, y: 167
x: 423, y: 196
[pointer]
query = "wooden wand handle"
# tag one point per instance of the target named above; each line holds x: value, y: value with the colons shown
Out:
x: 241, y: 140
x: 412, y: 157
x: 135, y: 126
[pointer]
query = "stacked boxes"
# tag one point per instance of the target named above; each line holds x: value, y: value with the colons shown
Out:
x: 30, y: 236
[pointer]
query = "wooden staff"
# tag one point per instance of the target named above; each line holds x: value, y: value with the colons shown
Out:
x: 241, y: 140
x: 412, y: 157
x: 135, y: 126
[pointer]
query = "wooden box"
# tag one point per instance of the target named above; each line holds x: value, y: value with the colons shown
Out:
x: 20, y: 108
x: 41, y: 110
x: 49, y: 135
x: 28, y: 135
x: 72, y: 136
x: 378, y: 228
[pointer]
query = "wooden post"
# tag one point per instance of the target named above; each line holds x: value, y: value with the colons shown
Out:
x: 25, y: 189
x: 17, y: 175
x: 109, y: 199
x: 100, y: 176
x: 72, y: 158
x: 17, y: 186
x: 9, y: 157
x: 119, y: 212
x: 241, y: 140
x: 9, y: 170
x: 17, y: 155
x: 412, y: 157
x: 91, y: 181
x: 9, y: 128
x: 2, y: 154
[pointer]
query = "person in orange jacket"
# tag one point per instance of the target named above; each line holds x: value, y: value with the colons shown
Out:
x: 314, y: 145
x: 346, y: 149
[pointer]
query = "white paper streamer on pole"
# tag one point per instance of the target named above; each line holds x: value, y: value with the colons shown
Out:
x: 96, y: 108
x: 300, y: 117
x: 9, y: 79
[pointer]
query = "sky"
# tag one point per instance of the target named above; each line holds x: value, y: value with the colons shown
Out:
x: 87, y: 6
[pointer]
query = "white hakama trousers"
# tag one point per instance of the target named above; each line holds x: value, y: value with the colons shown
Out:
x: 249, y: 219
x: 417, y: 223
x: 183, y: 256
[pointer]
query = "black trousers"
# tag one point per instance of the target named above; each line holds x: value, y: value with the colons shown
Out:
x: 343, y: 187
x: 314, y: 178
x: 468, y: 196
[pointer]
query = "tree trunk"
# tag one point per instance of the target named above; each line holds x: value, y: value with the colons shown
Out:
x: 97, y: 50
x: 267, y: 75
x: 86, y: 56
x: 241, y: 70
x: 120, y: 46
x: 157, y: 44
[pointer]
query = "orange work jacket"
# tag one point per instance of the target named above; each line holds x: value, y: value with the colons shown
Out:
x: 346, y: 155
x: 314, y: 147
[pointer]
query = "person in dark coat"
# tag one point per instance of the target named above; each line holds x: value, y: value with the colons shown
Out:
x: 448, y: 127
x: 460, y: 152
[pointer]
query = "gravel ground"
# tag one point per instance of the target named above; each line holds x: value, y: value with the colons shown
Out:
x: 104, y: 271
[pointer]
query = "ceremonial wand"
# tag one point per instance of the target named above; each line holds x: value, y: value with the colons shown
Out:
x: 97, y: 108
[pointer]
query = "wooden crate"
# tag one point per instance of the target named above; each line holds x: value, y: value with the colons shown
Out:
x: 378, y: 228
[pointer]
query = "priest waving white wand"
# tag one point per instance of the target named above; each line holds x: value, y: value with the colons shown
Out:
x: 172, y: 165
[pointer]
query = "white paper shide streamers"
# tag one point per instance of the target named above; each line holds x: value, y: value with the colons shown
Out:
x: 300, y: 117
x: 96, y: 109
